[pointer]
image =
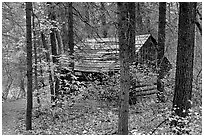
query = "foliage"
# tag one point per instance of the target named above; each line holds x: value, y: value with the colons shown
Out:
x: 176, y: 125
x: 70, y: 88
x: 13, y: 45
x: 89, y: 117
x: 109, y: 89
x: 185, y: 125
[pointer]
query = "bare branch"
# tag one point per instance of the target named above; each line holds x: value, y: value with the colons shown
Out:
x: 199, y: 26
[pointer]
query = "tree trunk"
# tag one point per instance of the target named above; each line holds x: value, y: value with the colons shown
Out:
x: 131, y: 30
x: 36, y: 61
x: 29, y: 66
x: 51, y: 79
x: 64, y: 29
x: 185, y: 57
x: 59, y: 42
x: 71, y: 34
x: 54, y: 48
x: 161, y: 31
x: 41, y: 57
x: 124, y: 55
x: 22, y: 92
x: 42, y: 79
x: 161, y: 47
x: 148, y: 25
x: 139, y: 24
x: 103, y: 21
x: 87, y: 18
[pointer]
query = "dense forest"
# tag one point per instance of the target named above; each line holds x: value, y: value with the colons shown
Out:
x: 101, y: 68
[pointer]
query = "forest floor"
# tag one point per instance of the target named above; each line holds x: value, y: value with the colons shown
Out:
x: 90, y: 116
x: 11, y: 110
x: 86, y: 117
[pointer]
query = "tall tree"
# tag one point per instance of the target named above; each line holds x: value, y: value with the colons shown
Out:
x: 64, y: 28
x: 51, y: 79
x: 54, y: 47
x: 139, y: 23
x: 161, y: 47
x: 185, y: 57
x: 29, y: 66
x: 59, y: 42
x: 124, y: 56
x: 161, y: 30
x: 70, y: 33
x: 52, y: 17
x: 103, y: 21
x: 35, y: 57
x: 131, y: 29
x: 87, y: 20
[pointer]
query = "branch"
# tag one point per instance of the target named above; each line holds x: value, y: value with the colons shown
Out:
x: 158, y: 126
x: 199, y: 26
x: 196, y: 80
x: 200, y: 15
x: 83, y: 20
x: 199, y: 72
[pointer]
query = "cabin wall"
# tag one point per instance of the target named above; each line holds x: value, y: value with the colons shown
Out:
x: 148, y: 53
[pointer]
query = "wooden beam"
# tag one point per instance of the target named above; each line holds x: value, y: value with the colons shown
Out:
x: 143, y: 91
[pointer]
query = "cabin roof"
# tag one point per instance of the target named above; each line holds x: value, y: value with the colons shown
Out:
x: 101, y: 54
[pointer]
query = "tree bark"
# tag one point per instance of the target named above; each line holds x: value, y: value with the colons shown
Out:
x: 161, y: 31
x: 59, y: 42
x: 51, y: 79
x: 139, y: 24
x: 87, y: 19
x: 54, y: 48
x: 185, y: 57
x: 21, y: 85
x: 29, y: 66
x: 35, y: 59
x: 71, y: 34
x: 124, y: 55
x: 103, y: 21
x: 161, y: 47
x: 64, y: 28
x: 148, y: 25
x: 131, y: 30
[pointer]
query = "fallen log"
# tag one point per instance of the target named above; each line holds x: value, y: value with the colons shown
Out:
x: 146, y: 93
x: 143, y: 85
x: 145, y: 88
x: 143, y: 91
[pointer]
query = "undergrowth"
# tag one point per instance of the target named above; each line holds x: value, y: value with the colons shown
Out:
x: 92, y: 109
